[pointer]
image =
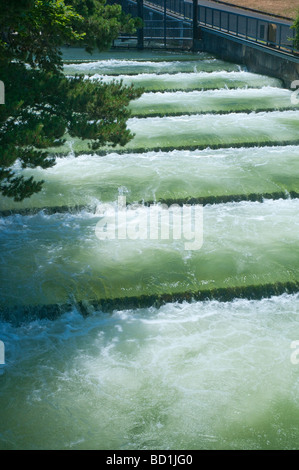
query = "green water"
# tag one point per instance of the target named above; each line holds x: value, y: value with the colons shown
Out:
x: 192, y: 81
x: 220, y: 101
x: 257, y: 246
x: 176, y: 176
x: 134, y: 67
x: 201, y: 131
x: 214, y: 131
x: 205, y: 374
x: 76, y: 55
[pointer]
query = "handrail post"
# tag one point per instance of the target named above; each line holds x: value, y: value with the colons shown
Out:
x: 279, y: 44
x: 195, y: 23
x: 140, y: 31
x: 165, y: 25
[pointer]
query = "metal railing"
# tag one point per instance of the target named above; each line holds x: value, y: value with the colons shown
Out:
x: 173, y: 19
x: 266, y: 32
x: 164, y: 24
x: 171, y: 29
x: 180, y: 8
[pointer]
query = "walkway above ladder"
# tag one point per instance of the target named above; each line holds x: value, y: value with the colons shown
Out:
x: 244, y: 24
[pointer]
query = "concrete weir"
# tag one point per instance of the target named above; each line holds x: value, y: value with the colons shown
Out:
x: 139, y: 341
x: 16, y: 314
x: 237, y: 161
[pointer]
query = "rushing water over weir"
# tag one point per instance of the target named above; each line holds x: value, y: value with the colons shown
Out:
x: 150, y: 342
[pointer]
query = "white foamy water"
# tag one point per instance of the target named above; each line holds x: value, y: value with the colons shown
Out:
x: 214, y: 130
x: 198, y: 375
x: 266, y: 98
x: 55, y: 259
x: 204, y: 375
x: 195, y: 80
x: 210, y: 130
x: 150, y: 176
x: 118, y: 66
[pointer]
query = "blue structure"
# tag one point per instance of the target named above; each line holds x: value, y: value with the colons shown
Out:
x: 181, y: 21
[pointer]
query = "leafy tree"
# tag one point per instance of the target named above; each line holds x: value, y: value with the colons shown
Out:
x: 101, y: 22
x: 41, y: 104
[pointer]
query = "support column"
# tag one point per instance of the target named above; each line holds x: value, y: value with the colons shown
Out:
x: 195, y: 23
x: 165, y: 23
x: 140, y: 31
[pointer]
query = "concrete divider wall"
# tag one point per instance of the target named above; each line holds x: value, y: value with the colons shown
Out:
x: 256, y: 58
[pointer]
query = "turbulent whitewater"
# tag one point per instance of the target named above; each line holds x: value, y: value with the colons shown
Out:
x: 137, y: 342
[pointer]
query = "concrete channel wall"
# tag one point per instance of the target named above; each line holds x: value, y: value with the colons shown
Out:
x: 256, y: 58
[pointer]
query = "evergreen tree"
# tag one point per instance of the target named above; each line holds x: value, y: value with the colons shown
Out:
x: 41, y: 104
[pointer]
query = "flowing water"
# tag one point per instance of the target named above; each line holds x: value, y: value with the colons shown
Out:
x: 172, y: 177
x: 191, y: 81
x: 154, y: 342
x: 117, y: 67
x: 216, y: 101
